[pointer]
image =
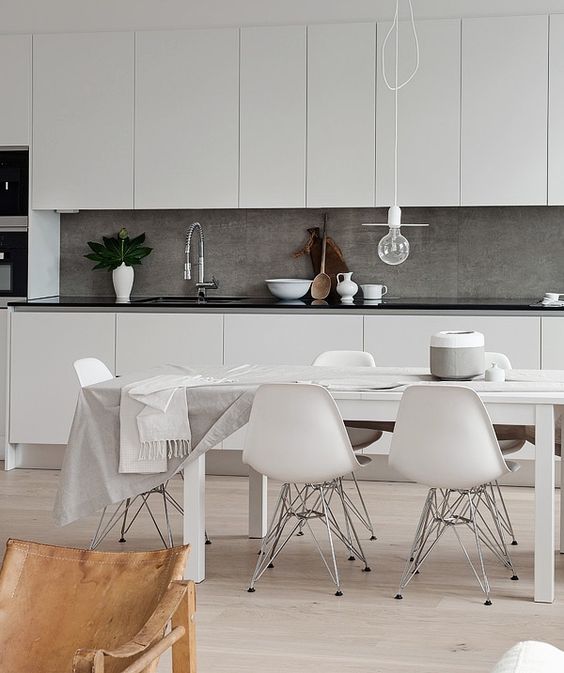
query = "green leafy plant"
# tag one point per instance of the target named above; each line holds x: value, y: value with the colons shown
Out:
x: 117, y: 250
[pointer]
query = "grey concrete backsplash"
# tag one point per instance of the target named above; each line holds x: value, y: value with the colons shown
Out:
x: 467, y: 252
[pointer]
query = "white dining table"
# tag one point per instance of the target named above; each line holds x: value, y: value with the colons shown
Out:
x: 509, y: 407
x: 91, y: 478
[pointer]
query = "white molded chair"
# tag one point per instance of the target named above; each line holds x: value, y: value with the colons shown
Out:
x: 345, y: 359
x: 89, y: 372
x: 361, y: 433
x: 296, y: 435
x: 444, y: 438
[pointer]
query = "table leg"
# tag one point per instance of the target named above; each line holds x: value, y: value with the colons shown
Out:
x: 195, y: 518
x: 258, y: 507
x: 544, y: 504
x: 561, y: 494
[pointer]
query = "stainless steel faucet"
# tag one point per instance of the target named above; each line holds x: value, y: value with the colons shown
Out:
x: 202, y: 285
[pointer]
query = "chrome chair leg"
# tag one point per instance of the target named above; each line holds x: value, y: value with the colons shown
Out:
x: 503, y: 512
x: 124, y: 520
x: 363, y: 517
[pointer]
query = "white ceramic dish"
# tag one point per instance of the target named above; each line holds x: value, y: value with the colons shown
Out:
x: 288, y: 288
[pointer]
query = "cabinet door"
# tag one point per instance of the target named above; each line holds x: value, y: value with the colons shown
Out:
x: 145, y: 340
x: 428, y: 117
x: 43, y: 384
x: 187, y: 119
x: 83, y: 120
x: 553, y: 343
x: 504, y: 111
x: 288, y: 339
x: 273, y: 117
x: 3, y: 372
x: 15, y: 85
x: 403, y: 340
x: 556, y: 112
x: 341, y: 109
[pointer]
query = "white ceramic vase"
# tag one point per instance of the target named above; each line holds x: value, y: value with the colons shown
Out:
x: 123, y: 278
x: 346, y: 287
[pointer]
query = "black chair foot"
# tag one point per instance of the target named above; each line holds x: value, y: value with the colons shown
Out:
x: 122, y: 540
x: 514, y: 577
x: 251, y: 590
x: 411, y: 559
x: 398, y: 597
x: 488, y: 602
x: 351, y: 558
x: 338, y: 593
x: 300, y: 533
x: 416, y: 572
x: 208, y: 541
x: 368, y: 569
x: 373, y: 537
x: 270, y: 565
x: 514, y: 543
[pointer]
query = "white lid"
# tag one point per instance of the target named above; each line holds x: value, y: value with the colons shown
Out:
x: 457, y: 339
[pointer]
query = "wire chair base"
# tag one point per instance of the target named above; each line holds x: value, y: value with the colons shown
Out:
x: 297, y: 507
x: 445, y: 509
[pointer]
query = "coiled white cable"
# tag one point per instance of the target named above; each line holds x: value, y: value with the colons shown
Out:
x: 397, y: 86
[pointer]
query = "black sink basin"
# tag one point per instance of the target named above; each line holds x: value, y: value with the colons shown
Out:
x: 186, y: 300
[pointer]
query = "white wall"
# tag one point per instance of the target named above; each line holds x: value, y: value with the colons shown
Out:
x: 39, y: 16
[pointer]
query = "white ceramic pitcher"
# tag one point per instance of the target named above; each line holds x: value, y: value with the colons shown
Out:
x: 346, y: 287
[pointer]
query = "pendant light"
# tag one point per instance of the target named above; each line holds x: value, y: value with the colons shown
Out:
x: 393, y: 248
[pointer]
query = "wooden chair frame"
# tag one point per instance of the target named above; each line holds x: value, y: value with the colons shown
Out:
x: 177, y: 607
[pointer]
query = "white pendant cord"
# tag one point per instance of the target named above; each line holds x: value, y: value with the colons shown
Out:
x: 397, y: 86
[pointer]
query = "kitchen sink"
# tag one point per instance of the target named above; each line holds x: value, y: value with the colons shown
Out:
x: 185, y: 300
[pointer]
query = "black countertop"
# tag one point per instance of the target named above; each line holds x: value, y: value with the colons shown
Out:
x: 392, y: 303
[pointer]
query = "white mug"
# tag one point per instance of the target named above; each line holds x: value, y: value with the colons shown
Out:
x: 374, y: 291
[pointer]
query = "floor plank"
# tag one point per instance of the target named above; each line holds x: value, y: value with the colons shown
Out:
x: 294, y: 622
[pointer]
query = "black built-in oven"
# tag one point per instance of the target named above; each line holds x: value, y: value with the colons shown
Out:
x: 14, y: 187
x: 14, y: 195
x: 13, y: 263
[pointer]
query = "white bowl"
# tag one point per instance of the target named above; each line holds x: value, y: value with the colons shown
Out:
x: 288, y: 288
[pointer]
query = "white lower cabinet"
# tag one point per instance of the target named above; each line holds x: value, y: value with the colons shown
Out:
x: 553, y: 343
x: 3, y: 373
x: 288, y: 339
x: 147, y: 340
x: 403, y: 340
x: 43, y: 384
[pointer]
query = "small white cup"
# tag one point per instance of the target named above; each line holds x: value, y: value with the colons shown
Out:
x: 372, y: 291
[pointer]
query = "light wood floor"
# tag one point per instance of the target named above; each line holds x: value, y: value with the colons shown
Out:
x: 294, y: 622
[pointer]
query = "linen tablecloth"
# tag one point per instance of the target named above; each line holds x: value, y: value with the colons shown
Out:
x: 90, y: 478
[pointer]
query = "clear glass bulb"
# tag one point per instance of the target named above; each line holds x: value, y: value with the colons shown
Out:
x: 393, y: 248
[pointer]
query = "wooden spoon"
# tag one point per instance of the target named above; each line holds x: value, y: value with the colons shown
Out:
x: 321, y: 285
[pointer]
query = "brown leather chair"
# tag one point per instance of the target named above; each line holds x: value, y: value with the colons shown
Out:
x: 76, y: 611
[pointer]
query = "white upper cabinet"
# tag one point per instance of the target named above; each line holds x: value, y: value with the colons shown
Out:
x: 428, y: 117
x: 273, y: 117
x: 556, y: 112
x: 187, y: 119
x: 15, y: 85
x: 83, y: 120
x: 341, y: 115
x: 504, y: 111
